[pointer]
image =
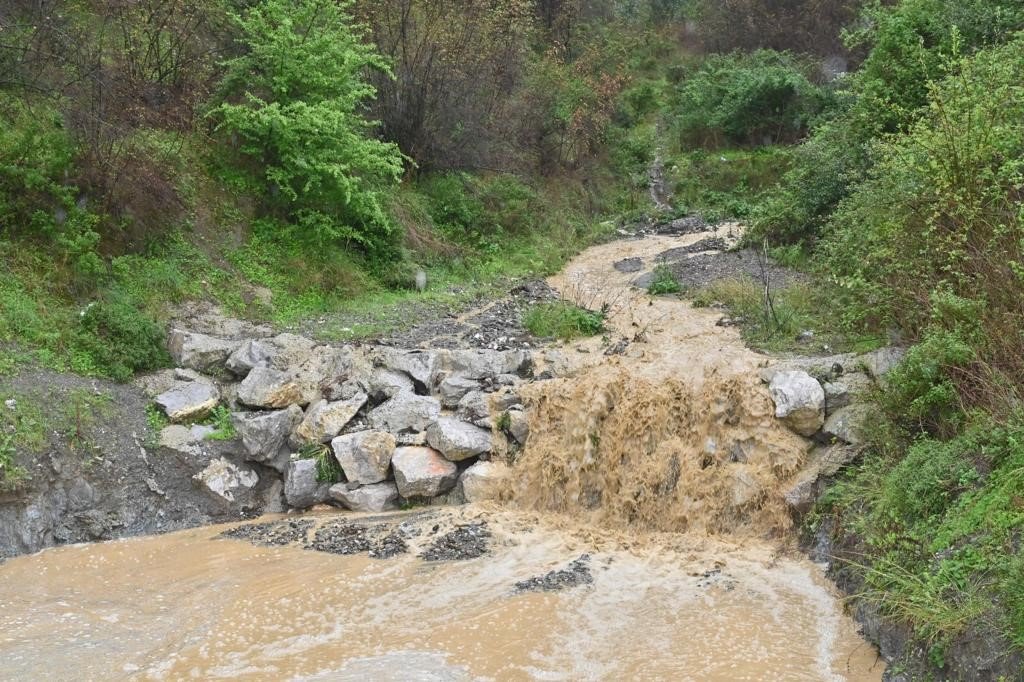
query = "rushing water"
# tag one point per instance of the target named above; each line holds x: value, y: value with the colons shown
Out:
x: 663, y: 465
x: 192, y: 605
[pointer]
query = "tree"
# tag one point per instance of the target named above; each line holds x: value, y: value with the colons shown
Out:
x: 292, y: 105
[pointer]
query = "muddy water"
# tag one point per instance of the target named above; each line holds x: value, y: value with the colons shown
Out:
x: 194, y: 606
x: 661, y: 464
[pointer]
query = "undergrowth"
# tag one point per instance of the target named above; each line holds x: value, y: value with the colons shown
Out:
x: 563, y: 320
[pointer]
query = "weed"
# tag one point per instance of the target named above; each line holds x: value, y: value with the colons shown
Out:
x: 563, y: 320
x: 327, y: 469
x: 224, y: 426
x: 664, y: 282
x: 156, y: 419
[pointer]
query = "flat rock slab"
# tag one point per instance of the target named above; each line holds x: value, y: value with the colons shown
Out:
x: 188, y: 401
x: 575, y: 574
x: 465, y: 542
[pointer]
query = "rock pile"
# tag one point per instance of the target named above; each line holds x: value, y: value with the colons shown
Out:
x: 397, y: 424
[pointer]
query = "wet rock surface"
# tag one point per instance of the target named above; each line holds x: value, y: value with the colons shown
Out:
x: 575, y: 574
x: 465, y: 542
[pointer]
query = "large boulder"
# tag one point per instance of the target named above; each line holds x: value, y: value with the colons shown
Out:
x: 365, y: 457
x: 841, y: 391
x: 269, y: 388
x: 265, y: 434
x: 457, y: 440
x: 420, y: 366
x: 476, y: 406
x: 799, y: 401
x: 518, y: 425
x: 227, y: 481
x: 423, y: 472
x: 325, y: 420
x: 454, y: 388
x: 253, y: 353
x: 301, y: 487
x: 385, y: 384
x: 483, y: 481
x: 198, y: 351
x: 406, y: 412
x: 481, y: 363
x: 380, y: 497
x: 188, y: 400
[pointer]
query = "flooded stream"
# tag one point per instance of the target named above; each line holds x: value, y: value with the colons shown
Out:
x: 642, y: 537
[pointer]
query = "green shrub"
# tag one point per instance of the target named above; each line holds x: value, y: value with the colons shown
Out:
x: 121, y: 340
x: 563, y: 320
x: 664, y: 282
x: 759, y: 98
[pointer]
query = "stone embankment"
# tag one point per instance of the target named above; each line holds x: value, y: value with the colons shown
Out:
x: 398, y: 425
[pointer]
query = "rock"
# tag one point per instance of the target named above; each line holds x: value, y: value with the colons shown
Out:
x: 842, y: 390
x: 880, y: 362
x: 629, y: 265
x: 824, y: 462
x: 301, y: 489
x: 420, y: 366
x: 265, y: 434
x: 457, y: 440
x: 377, y: 498
x: 846, y: 424
x: 269, y: 388
x: 325, y: 420
x: 423, y: 472
x: 188, y: 400
x: 475, y: 407
x: 385, y: 384
x: 250, y: 354
x: 405, y: 412
x: 518, y: 425
x: 454, y: 388
x: 745, y: 486
x: 482, y: 363
x: 483, y: 481
x: 227, y: 480
x: 799, y: 401
x: 198, y: 351
x: 365, y: 457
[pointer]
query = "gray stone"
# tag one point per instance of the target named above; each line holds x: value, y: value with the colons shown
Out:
x: 420, y: 366
x: 457, y: 440
x: 475, y: 406
x: 301, y: 489
x: 518, y: 426
x: 843, y: 390
x: 481, y: 363
x: 423, y: 472
x: 629, y: 265
x: 385, y: 384
x: 380, y: 497
x: 405, y: 412
x: 799, y: 401
x: 81, y: 495
x: 365, y: 457
x: 880, y: 362
x: 824, y: 462
x: 253, y: 353
x: 198, y: 351
x: 227, y: 480
x: 269, y: 388
x: 188, y: 400
x: 483, y: 481
x: 326, y: 420
x: 846, y: 424
x: 265, y: 434
x: 454, y: 388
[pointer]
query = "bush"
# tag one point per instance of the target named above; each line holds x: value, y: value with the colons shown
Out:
x: 664, y: 282
x: 121, y: 339
x: 760, y: 98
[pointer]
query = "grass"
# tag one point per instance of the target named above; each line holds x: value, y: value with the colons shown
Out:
x: 221, y: 420
x: 664, y: 282
x: 725, y: 184
x: 327, y: 468
x: 563, y: 320
x: 795, y: 309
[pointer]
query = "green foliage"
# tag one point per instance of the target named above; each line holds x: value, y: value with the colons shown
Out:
x: 664, y: 282
x: 121, y: 339
x: 563, y: 320
x: 294, y: 101
x: 327, y: 468
x: 726, y: 184
x: 156, y: 419
x: 221, y: 420
x: 758, y: 98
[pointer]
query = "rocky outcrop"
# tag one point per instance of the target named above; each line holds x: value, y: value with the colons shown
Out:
x: 799, y: 401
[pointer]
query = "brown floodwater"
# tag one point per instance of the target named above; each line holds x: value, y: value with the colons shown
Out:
x: 191, y: 605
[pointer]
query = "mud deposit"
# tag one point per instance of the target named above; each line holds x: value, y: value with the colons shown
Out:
x: 199, y: 605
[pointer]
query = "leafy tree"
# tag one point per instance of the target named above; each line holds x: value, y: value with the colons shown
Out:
x: 292, y: 104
